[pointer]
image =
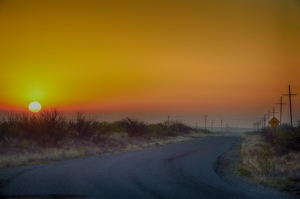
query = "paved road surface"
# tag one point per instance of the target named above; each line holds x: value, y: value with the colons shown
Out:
x: 182, y: 170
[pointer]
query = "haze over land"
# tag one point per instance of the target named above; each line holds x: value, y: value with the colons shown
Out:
x: 230, y: 60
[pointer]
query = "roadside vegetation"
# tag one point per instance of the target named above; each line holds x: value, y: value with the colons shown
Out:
x: 272, y: 158
x: 50, y: 136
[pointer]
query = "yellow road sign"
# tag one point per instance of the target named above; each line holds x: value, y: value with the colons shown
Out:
x: 274, y: 122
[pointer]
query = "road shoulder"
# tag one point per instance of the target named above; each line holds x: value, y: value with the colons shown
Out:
x: 225, y: 167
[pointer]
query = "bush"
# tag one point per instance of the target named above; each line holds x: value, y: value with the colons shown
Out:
x: 133, y: 127
x: 286, y: 138
x: 84, y: 126
x: 103, y: 129
x: 9, y: 131
x: 178, y: 126
x: 52, y: 126
x: 170, y: 128
x: 159, y: 130
x: 48, y: 127
x: 259, y: 160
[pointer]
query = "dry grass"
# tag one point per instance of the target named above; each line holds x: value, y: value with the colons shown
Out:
x: 250, y: 141
x: 260, y: 162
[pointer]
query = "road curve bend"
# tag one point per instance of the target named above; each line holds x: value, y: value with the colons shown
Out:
x: 182, y: 170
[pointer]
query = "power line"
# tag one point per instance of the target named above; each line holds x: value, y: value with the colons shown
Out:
x: 205, y: 121
x: 269, y: 113
x: 290, y: 96
x: 264, y: 118
x: 273, y: 111
x: 280, y: 103
x: 221, y: 125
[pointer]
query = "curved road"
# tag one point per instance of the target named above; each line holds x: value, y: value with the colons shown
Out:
x: 182, y: 170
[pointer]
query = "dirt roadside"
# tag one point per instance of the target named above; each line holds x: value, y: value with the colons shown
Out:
x: 225, y: 167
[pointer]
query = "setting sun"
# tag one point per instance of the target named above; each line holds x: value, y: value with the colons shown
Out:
x: 34, y: 107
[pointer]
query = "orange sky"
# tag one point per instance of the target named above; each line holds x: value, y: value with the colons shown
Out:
x: 231, y: 60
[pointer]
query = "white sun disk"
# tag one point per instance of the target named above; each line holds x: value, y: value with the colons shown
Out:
x: 34, y: 107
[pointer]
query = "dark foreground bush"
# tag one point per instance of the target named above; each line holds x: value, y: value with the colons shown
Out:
x: 133, y: 127
x: 51, y: 127
x: 82, y: 125
x: 285, y: 139
x: 46, y: 127
x: 104, y: 129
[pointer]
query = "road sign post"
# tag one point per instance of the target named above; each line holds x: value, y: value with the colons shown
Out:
x: 274, y: 122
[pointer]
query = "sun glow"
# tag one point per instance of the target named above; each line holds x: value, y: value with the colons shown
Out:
x: 34, y: 107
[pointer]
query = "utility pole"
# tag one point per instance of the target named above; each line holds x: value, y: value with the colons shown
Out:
x: 205, y: 121
x: 212, y: 125
x: 269, y: 113
x: 196, y: 125
x: 265, y: 120
x: 273, y: 111
x: 168, y: 120
x: 281, y: 109
x: 290, y: 96
x: 221, y: 125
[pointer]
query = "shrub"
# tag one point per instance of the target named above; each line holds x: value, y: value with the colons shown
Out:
x: 286, y: 138
x: 178, y: 126
x: 169, y: 128
x: 259, y: 159
x: 159, y: 130
x: 103, y: 129
x: 48, y: 127
x: 9, y: 131
x: 133, y: 127
x: 242, y: 171
x: 52, y: 126
x: 84, y: 126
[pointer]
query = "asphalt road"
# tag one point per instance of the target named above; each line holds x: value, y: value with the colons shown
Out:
x: 182, y: 170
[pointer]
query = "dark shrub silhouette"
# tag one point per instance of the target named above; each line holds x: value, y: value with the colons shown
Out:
x: 133, y: 127
x: 285, y: 139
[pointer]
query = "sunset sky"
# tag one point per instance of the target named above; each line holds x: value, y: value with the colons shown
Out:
x: 228, y: 59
